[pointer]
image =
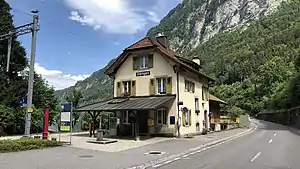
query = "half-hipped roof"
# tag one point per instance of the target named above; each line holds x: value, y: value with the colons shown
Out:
x: 151, y: 43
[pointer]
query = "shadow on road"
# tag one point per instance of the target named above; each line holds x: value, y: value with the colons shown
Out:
x: 265, y: 125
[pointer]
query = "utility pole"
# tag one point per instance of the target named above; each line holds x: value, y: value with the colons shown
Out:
x: 31, y: 72
x: 18, y: 31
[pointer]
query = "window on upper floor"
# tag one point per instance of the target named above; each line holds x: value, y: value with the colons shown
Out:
x: 161, y: 116
x: 143, y: 62
x: 161, y: 85
x: 205, y: 93
x: 126, y: 89
x: 189, y: 86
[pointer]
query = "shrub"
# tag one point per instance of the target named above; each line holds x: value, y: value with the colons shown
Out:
x: 26, y: 144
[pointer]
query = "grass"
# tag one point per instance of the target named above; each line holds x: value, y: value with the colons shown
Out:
x: 26, y: 144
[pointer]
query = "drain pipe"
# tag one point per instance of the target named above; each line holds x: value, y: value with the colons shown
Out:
x: 177, y: 87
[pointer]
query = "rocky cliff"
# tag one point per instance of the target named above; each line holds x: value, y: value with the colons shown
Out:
x: 195, y: 21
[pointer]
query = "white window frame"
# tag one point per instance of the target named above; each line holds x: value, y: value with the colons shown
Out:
x: 163, y: 116
x: 163, y: 86
x: 143, y: 62
x: 128, y: 85
x: 125, y: 117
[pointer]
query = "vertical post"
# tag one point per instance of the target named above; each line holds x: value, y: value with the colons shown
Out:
x: 31, y: 73
x: 46, y: 123
x: 8, y: 52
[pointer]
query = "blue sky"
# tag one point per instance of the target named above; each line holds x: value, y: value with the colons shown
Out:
x: 78, y: 37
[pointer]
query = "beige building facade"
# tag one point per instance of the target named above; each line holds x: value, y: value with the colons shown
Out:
x: 158, y: 92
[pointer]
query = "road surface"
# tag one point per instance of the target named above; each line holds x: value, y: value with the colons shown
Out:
x: 270, y: 146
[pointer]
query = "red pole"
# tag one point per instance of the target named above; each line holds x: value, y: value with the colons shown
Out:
x: 46, y: 123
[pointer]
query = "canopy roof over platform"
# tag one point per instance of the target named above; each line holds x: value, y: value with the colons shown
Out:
x: 135, y: 103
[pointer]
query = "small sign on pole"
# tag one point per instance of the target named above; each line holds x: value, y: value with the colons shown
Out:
x: 66, y: 120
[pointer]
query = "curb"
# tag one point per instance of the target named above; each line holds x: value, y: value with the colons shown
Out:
x: 191, y: 151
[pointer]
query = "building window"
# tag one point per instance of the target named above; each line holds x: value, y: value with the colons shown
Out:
x: 161, y: 116
x: 196, y: 104
x: 126, y: 88
x: 161, y: 85
x: 187, y: 118
x: 125, y: 117
x: 189, y: 86
x: 143, y: 62
x: 205, y: 93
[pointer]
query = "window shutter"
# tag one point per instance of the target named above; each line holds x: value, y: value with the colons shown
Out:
x: 133, y: 88
x: 152, y: 87
x: 169, y: 85
x: 118, y: 90
x: 193, y: 87
x: 190, y: 117
x: 183, y: 119
x: 150, y: 61
x: 135, y: 62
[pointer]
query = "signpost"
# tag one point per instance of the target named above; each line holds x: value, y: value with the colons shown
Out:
x: 65, y: 120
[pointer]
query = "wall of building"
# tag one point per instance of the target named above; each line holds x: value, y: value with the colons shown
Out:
x: 188, y: 99
x: 161, y: 67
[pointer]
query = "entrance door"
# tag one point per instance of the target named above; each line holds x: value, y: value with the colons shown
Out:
x: 143, y: 121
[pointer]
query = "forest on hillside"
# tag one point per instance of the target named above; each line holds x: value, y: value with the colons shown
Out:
x: 257, y: 68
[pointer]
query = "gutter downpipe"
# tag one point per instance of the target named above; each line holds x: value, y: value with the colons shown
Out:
x: 177, y: 87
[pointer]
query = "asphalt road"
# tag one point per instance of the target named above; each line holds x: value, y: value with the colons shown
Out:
x: 270, y: 146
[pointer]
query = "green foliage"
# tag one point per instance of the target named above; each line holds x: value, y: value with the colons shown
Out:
x: 74, y: 98
x: 26, y: 144
x: 253, y: 67
x: 13, y: 85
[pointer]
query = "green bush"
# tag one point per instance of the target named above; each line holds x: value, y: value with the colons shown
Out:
x: 26, y: 144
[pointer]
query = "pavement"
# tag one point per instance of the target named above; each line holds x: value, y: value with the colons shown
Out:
x: 77, y: 158
x: 270, y: 146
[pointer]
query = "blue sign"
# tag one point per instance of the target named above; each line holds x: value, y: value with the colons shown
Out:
x: 179, y: 103
x: 23, y: 101
x: 66, y: 107
x: 172, y: 119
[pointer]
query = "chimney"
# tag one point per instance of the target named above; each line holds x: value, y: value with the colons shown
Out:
x: 162, y: 39
x: 196, y: 59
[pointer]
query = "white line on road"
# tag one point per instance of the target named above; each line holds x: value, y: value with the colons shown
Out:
x: 167, y: 162
x: 270, y: 141
x: 274, y: 134
x: 255, y: 157
x: 185, y: 155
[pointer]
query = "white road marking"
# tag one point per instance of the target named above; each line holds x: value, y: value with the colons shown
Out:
x: 158, y: 165
x: 175, y: 159
x: 185, y: 155
x: 192, y: 153
x: 274, y: 134
x: 270, y: 141
x: 167, y: 162
x: 256, y: 156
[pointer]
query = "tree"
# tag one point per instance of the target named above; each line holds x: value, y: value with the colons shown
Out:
x: 74, y: 98
x: 13, y: 86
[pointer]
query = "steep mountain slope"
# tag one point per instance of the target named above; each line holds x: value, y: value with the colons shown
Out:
x: 196, y: 21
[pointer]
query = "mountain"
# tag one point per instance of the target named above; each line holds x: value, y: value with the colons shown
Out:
x: 240, y: 43
x: 95, y: 88
x: 195, y: 21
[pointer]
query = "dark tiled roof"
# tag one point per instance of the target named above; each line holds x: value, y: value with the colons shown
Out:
x: 214, y: 98
x: 151, y: 42
x: 137, y: 103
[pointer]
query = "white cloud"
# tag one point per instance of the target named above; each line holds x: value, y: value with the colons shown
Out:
x: 113, y: 16
x: 58, y: 79
x: 118, y: 16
